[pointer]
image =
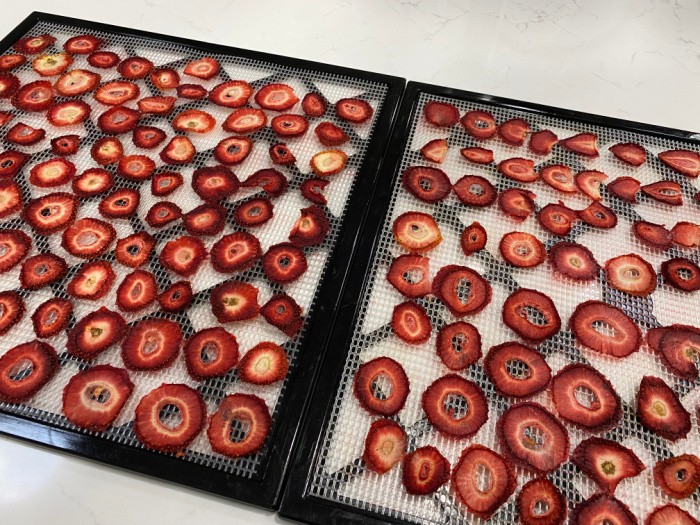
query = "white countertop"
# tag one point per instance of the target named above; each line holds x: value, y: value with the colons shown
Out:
x: 636, y: 59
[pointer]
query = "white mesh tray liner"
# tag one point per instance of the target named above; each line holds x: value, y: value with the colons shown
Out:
x: 339, y: 473
x: 46, y: 405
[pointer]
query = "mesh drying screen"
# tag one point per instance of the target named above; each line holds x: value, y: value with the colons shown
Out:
x: 339, y: 473
x: 46, y: 405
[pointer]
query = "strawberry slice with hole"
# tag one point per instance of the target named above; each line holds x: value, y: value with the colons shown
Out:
x: 176, y: 298
x: 77, y: 82
x: 665, y: 191
x: 522, y: 249
x: 517, y: 203
x: 24, y: 135
x: 118, y: 120
x: 117, y: 92
x: 25, y: 369
x: 477, y: 155
x: 254, y: 212
x: 147, y: 137
x: 11, y: 310
x: 517, y: 370
x: 51, y: 317
x: 134, y: 250
x: 273, y: 182
x: 559, y: 177
x: 542, y: 142
x: 11, y: 61
x: 234, y: 301
x: 678, y: 476
x: 205, y: 68
x: 233, y: 150
x: 603, y: 509
x: 35, y: 96
x: 213, y: 183
x: 416, y: 231
x: 441, y: 114
x: 32, y: 45
x: 329, y: 134
x: 204, y: 220
x: 584, y: 144
x: 686, y: 234
x: 424, y: 471
x: 235, y: 252
x: 157, y: 105
x: 236, y: 412
x: 411, y: 323
x: 211, y: 352
x: 354, y: 110
x: 191, y: 91
x: 598, y: 216
x: 330, y: 162
x: 167, y: 78
x: 51, y: 65
x: 245, y: 120
x: 183, y: 255
x: 670, y: 513
x: 103, y: 59
x: 435, y: 150
x: 474, y: 190
x: 14, y: 246
x: 11, y: 199
x: 65, y: 145
x: 283, y: 312
x: 136, y: 291
x: 531, y: 314
x: 311, y: 228
x: 381, y: 386
x: 95, y: 333
x: 194, y: 120
x: 631, y: 274
x: 11, y: 162
x: 51, y: 173
x: 385, y: 446
x: 107, y: 150
x: 151, y: 344
x: 589, y: 182
x: 514, y: 131
x: 652, y: 235
x: 93, y: 281
x: 606, y: 462
x: 473, y: 238
x: 41, y: 270
x: 409, y: 274
x: 660, y: 411
x: 277, y: 97
x: 605, y: 329
x: 314, y: 105
x: 557, y: 218
x: 541, y: 503
x: 289, y: 125
x: 135, y: 167
x: 51, y: 213
x: 83, y: 44
x: 135, y: 68
x: 629, y: 153
x: 479, y: 124
x: 573, y: 261
x: 163, y: 213
x: 119, y: 204
x: 683, y: 161
x: 88, y: 238
x: 312, y: 190
x: 232, y: 94
x: 280, y: 154
x: 425, y: 183
x: 519, y: 169
x: 264, y: 364
x: 681, y: 273
x: 165, y: 183
x: 455, y: 406
x: 284, y: 263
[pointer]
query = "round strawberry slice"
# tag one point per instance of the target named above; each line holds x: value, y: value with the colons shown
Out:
x: 424, y: 471
x: 25, y: 369
x: 517, y: 370
x: 277, y: 97
x: 194, y: 120
x: 35, y: 96
x: 330, y: 162
x: 477, y: 155
x: 606, y: 462
x: 240, y: 426
x: 542, y: 142
x: 683, y: 161
x: 11, y: 310
x: 559, y: 177
x: 533, y: 437
x: 409, y: 275
x: 605, y: 329
x: 678, y: 476
x: 51, y: 317
x: 629, y: 153
x: 10, y: 198
x: 660, y: 411
x: 31, y: 45
x: 686, y: 234
x: 163, y: 213
x: 678, y: 345
x: 117, y: 92
x: 41, y: 270
x: 474, y: 190
x: 541, y: 503
x: 416, y: 231
x: 147, y: 137
x: 11, y: 162
x: 280, y: 154
x: 681, y: 273
x: 476, y: 464
x: 573, y: 261
x: 93, y: 398
x: 330, y: 135
x: 283, y: 312
x: 119, y: 204
x: 441, y: 114
x: 557, y: 218
x: 631, y: 274
x: 95, y: 333
x: 135, y: 167
x: 624, y: 188
x: 134, y: 250
x: 169, y: 417
x: 176, y: 298
x: 204, y: 68
x: 213, y: 183
x: 531, y: 314
x: 151, y: 344
x: 88, y: 238
x: 264, y: 364
x: 233, y: 94
x: 455, y: 406
x: 134, y: 68
x: 24, y: 135
x: 411, y: 323
x: 314, y: 105
x: 652, y: 235
x: 93, y: 281
x: 479, y: 124
x: 514, y: 131
x: 136, y: 291
x: 211, y: 352
x: 516, y: 203
x: 473, y: 238
x: 598, y: 216
x: 385, y: 446
x: 103, y: 59
x: 233, y: 150
x: 51, y: 173
x: 235, y: 252
x: 76, y: 82
x: 672, y: 514
x: 165, y: 182
x: 427, y: 184
x: 204, y: 220
x: 253, y: 212
x: 191, y: 91
x: 107, y: 150
x: 234, y: 301
x: 284, y: 263
x: 118, y: 119
x: 311, y: 228
x: 82, y: 44
x: 11, y: 61
x: 518, y: 169
x: 589, y: 182
x: 522, y: 249
x: 273, y: 182
x: 167, y: 78
x: 289, y: 125
x: 602, y: 508
x: 68, y: 113
x: 381, y: 386
x: 462, y: 290
x: 665, y: 191
x: 245, y: 120
x: 584, y: 144
x: 65, y: 145
x: 183, y: 255
x: 458, y: 345
x: 14, y: 246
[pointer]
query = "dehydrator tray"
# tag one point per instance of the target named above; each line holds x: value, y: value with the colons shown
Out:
x: 254, y: 477
x: 334, y: 479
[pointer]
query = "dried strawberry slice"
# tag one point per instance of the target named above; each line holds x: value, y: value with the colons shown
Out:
x: 652, y: 235
x: 136, y: 167
x: 518, y: 169
x: 435, y: 150
x: 107, y: 150
x: 311, y: 228
x: 532, y: 437
x: 409, y: 275
x: 678, y: 476
x: 118, y: 119
x: 237, y: 412
x: 253, y: 212
x: 557, y: 218
x: 93, y: 281
x: 35, y: 96
x: 25, y: 369
x: 82, y: 44
x: 475, y: 190
x: 11, y: 61
x: 381, y: 386
x: 235, y: 252
x: 542, y: 142
x: 458, y: 345
x: 103, y: 59
x: 31, y: 45
x: 280, y: 154
x: 573, y: 261
x: 93, y: 398
x: 95, y: 333
x: 245, y: 120
x: 65, y: 145
x: 11, y: 310
x: 157, y: 105
x: 167, y: 78
x: 479, y: 124
x: 14, y: 246
x: 660, y: 411
x: 473, y: 238
x: 166, y: 182
x: 205, y: 68
x: 330, y: 162
x: 426, y: 184
x: 10, y: 198
x: 11, y: 162
x: 683, y: 161
x: 353, y: 110
x: 681, y: 273
x: 233, y: 150
x: 77, y: 82
x: 151, y: 344
x: 284, y: 263
x: 136, y: 291
x: 51, y: 317
x: 312, y: 190
x: 213, y: 183
x: 541, y: 503
x: 624, y: 188
x: 191, y: 91
x: 477, y: 155
x: 314, y: 105
x: 670, y: 513
x: 134, y: 250
x: 289, y: 125
x: 517, y: 370
x: 686, y: 234
x: 629, y: 153
x: 169, y: 417
x: 531, y: 314
x: 522, y: 249
x: 264, y: 364
x: 41, y: 270
x: 455, y: 406
x: 385, y: 446
x: 234, y: 301
x: 92, y: 182
x: 441, y: 114
x: 176, y: 298
x: 88, y: 238
x: 183, y: 255
x: 51, y: 173
x: 589, y: 182
x: 606, y: 462
x: 476, y: 464
x: 163, y: 213
x: 147, y: 136
x: 211, y: 352
x: 134, y: 68
x: 631, y: 274
x: 514, y: 131
x: 24, y: 135
x: 120, y: 203
x: 232, y: 94
x: 665, y: 191
x: 605, y: 329
x: 598, y: 216
x: 195, y: 121
x: 416, y: 231
x: 559, y: 177
x: 583, y: 143
x: 462, y: 290
x: 204, y: 220
x: 272, y: 181
x: 678, y: 345
x: 516, y: 203
x: 602, y: 509
x: 283, y: 312
x: 117, y: 92
x: 411, y: 323
x: 329, y: 134
x: 424, y: 471
x: 277, y: 97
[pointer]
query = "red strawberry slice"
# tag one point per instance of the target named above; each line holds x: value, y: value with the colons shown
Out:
x: 411, y: 323
x: 606, y: 462
x: 24, y: 135
x: 283, y: 312
x: 166, y: 78
x: 479, y: 124
x: 573, y: 261
x: 424, y: 471
x: 10, y: 198
x: 559, y: 177
x: 253, y: 212
x: 11, y: 61
x: 516, y: 203
x: 136, y: 291
x: 5, y: 117
x: 134, y: 250
x: 157, y: 105
x: 169, y: 417
x: 670, y: 513
x: 234, y: 301
x: 117, y: 93
x: 165, y: 182
x: 191, y: 91
x: 205, y: 68
x: 51, y: 173
x: 103, y: 59
x: 678, y: 476
x: 583, y: 143
x: 176, y: 298
x: 205, y: 220
x: 681, y: 273
x: 25, y: 369
x: 683, y: 161
x: 280, y: 154
x: 51, y: 317
x: 31, y: 45
x: 272, y: 181
x: 211, y: 352
x: 660, y: 411
x: 517, y: 370
x: 605, y: 329
x: 134, y: 68
x: 82, y: 44
x: 95, y: 333
x: 314, y: 105
x: 238, y: 411
x: 664, y: 191
x: 194, y: 120
x: 329, y: 134
x: 686, y: 234
x: 462, y: 290
x: 475, y: 190
x: 119, y: 204
x: 233, y: 150
x: 458, y: 345
x: 42, y: 270
x: 88, y: 238
x: 435, y: 150
x: 518, y: 169
x: 585, y: 398
x: 629, y: 153
x: 163, y: 213
x: 93, y: 281
x: 409, y: 274
x: 245, y: 120
x: 77, y: 82
x: 557, y: 218
x: 381, y: 386
x: 264, y: 364
x: 542, y: 142
x: 603, y: 509
x: 35, y: 96
x: 326, y: 163
x: 147, y: 137
x: 93, y: 398
x: 312, y: 190
x: 598, y: 216
x: 514, y: 131
x: 311, y: 228
x: 11, y: 162
x: 213, y: 183
x: 385, y: 446
x: 92, y: 182
x: 354, y: 110
x: 289, y: 125
x: 652, y: 235
x: 441, y: 114
x: 532, y: 437
x: 14, y: 246
x: 631, y: 274
x: 277, y: 97
x: 51, y: 213
x: 522, y: 249
x: 477, y: 155
x: 416, y: 231
x: 151, y: 344
x: 473, y: 238
x: 427, y: 184
x: 531, y: 314
x: 624, y: 188
x: 541, y: 503
x: 183, y: 255
x: 11, y: 310
x: 65, y: 145
x: 589, y: 182
x: 477, y: 463
x: 235, y: 252
x: 107, y: 150
x: 136, y: 167
x: 118, y: 119
x: 232, y: 94
x: 455, y: 406
x: 284, y: 263
x: 68, y: 113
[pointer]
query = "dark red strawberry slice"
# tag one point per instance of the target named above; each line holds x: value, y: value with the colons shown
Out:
x: 522, y: 249
x: 479, y: 124
x: 11, y: 61
x: 426, y: 184
x: 686, y: 234
x: 237, y: 412
x: 314, y: 105
x: 542, y: 142
x: 312, y: 190
x: 624, y: 188
x: 118, y: 119
x: 518, y: 169
x: 311, y: 228
x: 235, y: 252
x: 606, y: 462
x: 232, y: 94
x: 176, y: 298
x: 93, y: 398
x: 68, y: 113
x: 589, y: 182
x: 631, y: 274
x: 598, y: 216
x: 51, y: 317
x: 11, y: 310
x: 660, y: 411
x: 31, y: 45
x: 601, y: 509
x: 24, y: 135
x: 416, y: 231
x: 683, y: 161
x: 14, y: 246
x: 284, y: 263
x: 25, y: 369
x: 183, y: 255
x: 151, y: 344
x: 514, y: 131
x: 156, y: 105
x: 455, y: 406
x: 103, y: 59
x: 136, y: 291
x: 541, y: 503
x: 51, y: 65
x: 77, y: 82
x: 277, y: 97
x: 213, y: 183
x: 264, y: 364
x: 517, y: 370
x: 629, y: 153
x: 163, y: 213
x: 147, y: 137
x: 605, y: 329
x: 573, y: 261
x: 665, y: 191
x: 107, y: 150
x: 476, y: 464
x: 51, y: 173
x: 516, y: 203
x: 477, y: 155
x: 95, y: 333
x: 435, y: 150
x: 5, y: 117
x: 92, y: 182
x: 191, y: 91
x: 409, y: 274
x: 385, y: 446
x: 559, y: 177
x: 585, y: 398
x: 233, y: 150
x: 462, y: 290
x: 475, y: 190
x: 120, y: 203
x: 11, y: 162
x: 194, y: 120
x: 583, y: 143
x: 88, y: 238
x: 280, y: 154
x: 245, y: 120
x: 289, y: 125
x: 532, y: 437
x: 329, y: 134
x: 283, y: 312
x: 93, y: 281
x: 204, y: 220
x: 326, y: 163
x: 35, y: 96
x: 441, y: 114
x: 424, y: 471
x: 167, y: 78
x: 652, y: 235
x: 134, y: 68
x: 411, y: 323
x: 117, y: 93
x: 557, y: 218
x: 678, y: 476
x: 381, y: 386
x: 165, y: 183
x: 234, y: 301
x: 205, y: 68
x: 273, y: 182
x: 170, y: 417
x: 10, y: 198
x: 670, y: 514
x: 65, y: 145
x: 136, y: 167
x: 473, y: 238
x: 82, y: 44
x: 353, y: 110
x: 41, y: 270
x: 458, y: 345
x: 211, y: 352
x: 253, y: 212
x: 681, y: 273
x: 134, y: 250
x: 531, y: 314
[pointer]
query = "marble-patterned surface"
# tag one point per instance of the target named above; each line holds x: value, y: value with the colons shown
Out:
x: 631, y: 59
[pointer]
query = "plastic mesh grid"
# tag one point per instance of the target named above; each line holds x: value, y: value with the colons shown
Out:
x: 339, y: 473
x: 46, y: 405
